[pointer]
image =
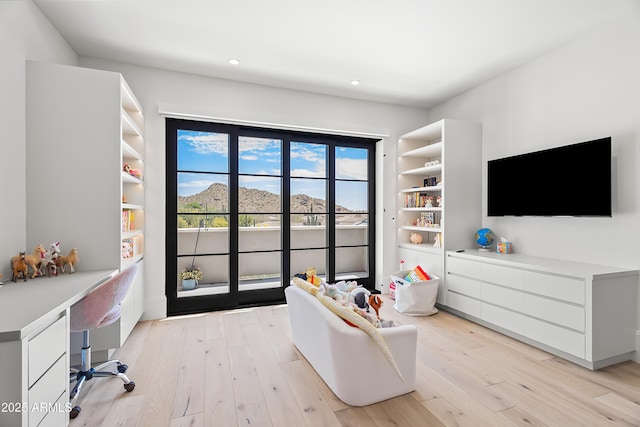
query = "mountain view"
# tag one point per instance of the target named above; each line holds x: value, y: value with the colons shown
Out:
x: 252, y: 201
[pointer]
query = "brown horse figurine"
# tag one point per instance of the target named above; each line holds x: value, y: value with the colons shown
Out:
x: 19, y: 266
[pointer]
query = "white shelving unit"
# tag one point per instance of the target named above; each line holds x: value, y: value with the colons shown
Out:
x: 441, y: 160
x: 83, y: 126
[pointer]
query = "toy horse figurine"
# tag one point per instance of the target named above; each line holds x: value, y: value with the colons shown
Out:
x: 48, y: 260
x: 19, y: 266
x: 33, y: 259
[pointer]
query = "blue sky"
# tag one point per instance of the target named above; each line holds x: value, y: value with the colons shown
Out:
x: 206, y: 151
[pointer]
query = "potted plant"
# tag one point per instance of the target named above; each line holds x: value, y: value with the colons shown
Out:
x: 190, y: 278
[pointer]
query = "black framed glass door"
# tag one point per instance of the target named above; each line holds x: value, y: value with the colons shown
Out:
x: 249, y: 207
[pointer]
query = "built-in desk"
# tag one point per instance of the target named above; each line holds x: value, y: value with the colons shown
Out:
x: 34, y: 346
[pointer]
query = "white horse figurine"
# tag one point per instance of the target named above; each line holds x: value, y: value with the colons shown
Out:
x: 48, y: 260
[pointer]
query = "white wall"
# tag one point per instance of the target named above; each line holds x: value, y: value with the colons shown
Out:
x: 585, y: 90
x: 25, y: 34
x: 253, y: 103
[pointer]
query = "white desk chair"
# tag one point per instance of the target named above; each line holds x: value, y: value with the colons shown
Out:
x: 101, y: 307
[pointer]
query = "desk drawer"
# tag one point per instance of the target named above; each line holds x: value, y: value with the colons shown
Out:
x: 47, y: 391
x: 46, y: 347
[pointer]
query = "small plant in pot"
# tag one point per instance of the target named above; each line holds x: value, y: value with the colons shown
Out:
x: 190, y: 278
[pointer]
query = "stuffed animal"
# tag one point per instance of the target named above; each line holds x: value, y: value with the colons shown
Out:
x: 19, y: 266
x: 376, y: 302
x: 71, y: 259
x: 126, y: 248
x: 309, y: 276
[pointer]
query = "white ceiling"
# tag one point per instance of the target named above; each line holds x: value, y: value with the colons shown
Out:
x: 409, y: 52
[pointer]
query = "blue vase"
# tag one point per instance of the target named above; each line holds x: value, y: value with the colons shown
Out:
x: 188, y: 284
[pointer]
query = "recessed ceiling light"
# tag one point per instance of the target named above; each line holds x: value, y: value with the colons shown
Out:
x: 355, y: 82
x: 234, y: 62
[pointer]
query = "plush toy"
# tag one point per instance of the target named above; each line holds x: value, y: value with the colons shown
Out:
x: 126, y: 168
x: 126, y: 247
x: 376, y: 302
x: 310, y: 276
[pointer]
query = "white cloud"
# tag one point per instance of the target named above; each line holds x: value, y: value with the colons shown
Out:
x: 351, y: 168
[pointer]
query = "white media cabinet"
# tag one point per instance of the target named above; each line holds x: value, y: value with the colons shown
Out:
x: 582, y: 312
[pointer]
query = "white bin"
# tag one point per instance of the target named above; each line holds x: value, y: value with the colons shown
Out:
x: 415, y: 298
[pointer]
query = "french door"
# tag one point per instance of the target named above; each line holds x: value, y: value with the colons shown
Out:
x: 247, y: 208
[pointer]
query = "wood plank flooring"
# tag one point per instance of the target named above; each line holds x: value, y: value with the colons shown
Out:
x: 240, y: 368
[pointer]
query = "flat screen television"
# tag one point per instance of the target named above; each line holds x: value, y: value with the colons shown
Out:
x: 572, y: 180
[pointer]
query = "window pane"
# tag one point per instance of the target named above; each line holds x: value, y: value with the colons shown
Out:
x: 259, y: 156
x: 259, y: 194
x: 352, y: 196
x: 352, y: 263
x: 259, y: 232
x: 352, y: 229
x: 203, y: 151
x: 308, y: 160
x: 211, y: 238
x: 259, y: 270
x: 308, y: 195
x: 308, y: 236
x: 215, y: 275
x: 203, y: 192
x: 351, y: 163
x: 301, y: 261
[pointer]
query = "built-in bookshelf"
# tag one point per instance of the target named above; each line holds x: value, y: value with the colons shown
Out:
x: 83, y: 126
x: 439, y: 192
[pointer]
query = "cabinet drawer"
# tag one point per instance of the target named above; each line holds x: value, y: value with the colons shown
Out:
x: 505, y: 276
x: 464, y: 304
x: 47, y: 390
x: 464, y: 285
x: 463, y: 267
x: 556, y: 337
x: 504, y: 297
x: 58, y: 416
x: 553, y: 311
x: 46, y: 347
x: 563, y: 288
x: 514, y: 322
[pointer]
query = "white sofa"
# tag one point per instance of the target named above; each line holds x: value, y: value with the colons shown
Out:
x: 347, y: 358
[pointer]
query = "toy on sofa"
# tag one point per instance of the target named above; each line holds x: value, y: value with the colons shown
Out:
x: 309, y: 276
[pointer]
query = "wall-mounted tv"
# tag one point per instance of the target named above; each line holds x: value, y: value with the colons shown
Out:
x: 572, y: 180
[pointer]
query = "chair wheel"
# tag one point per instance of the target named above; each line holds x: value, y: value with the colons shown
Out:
x: 122, y: 368
x: 129, y: 387
x: 74, y: 412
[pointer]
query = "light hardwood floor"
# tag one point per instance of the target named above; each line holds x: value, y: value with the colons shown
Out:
x: 239, y: 368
